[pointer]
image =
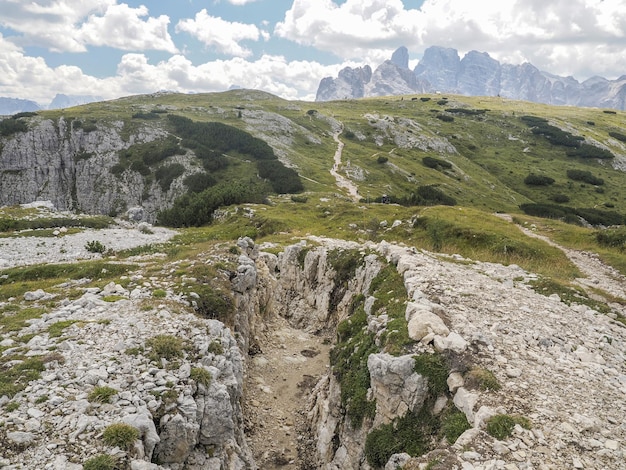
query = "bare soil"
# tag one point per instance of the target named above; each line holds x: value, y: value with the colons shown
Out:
x: 280, y: 379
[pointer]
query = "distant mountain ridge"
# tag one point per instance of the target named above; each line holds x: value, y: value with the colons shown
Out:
x: 476, y: 74
x: 9, y: 106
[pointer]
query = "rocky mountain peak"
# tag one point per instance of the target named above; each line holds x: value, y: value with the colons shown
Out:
x: 442, y: 70
x: 401, y: 57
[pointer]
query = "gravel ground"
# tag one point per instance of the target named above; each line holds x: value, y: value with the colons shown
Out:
x: 22, y: 251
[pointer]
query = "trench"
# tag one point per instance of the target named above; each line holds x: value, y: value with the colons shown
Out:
x: 280, y: 379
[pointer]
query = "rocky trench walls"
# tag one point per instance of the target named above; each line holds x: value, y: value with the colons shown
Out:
x: 428, y: 350
x: 404, y: 385
x: 73, y: 166
x: 382, y: 395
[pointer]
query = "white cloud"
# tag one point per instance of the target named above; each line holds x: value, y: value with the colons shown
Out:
x: 122, y: 27
x: 560, y: 36
x: 274, y: 74
x: 31, y: 78
x: 69, y: 26
x: 223, y: 36
x: 354, y: 30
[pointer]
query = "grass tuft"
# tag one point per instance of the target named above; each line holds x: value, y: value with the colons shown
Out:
x: 102, y: 394
x: 120, y: 435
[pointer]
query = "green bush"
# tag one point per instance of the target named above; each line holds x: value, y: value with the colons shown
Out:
x: 299, y: 199
x: 538, y: 180
x: 198, y: 182
x: 453, y: 424
x: 556, y: 136
x: 201, y: 376
x: 590, y: 151
x: 348, y: 360
x: 213, y: 303
x: 560, y: 198
x: 426, y: 196
x: 149, y: 116
x: 56, y: 329
x: 618, y: 136
x: 194, y: 210
x: 11, y: 406
x: 445, y: 117
x: 612, y: 238
x: 344, y: 263
x: 159, y: 293
x: 435, y: 369
x: 101, y: 394
x: 573, y: 215
x: 120, y: 435
x: 414, y: 433
x: 585, y: 176
x: 210, y: 140
x: 166, y: 174
x: 382, y: 159
x: 140, y: 167
x: 483, y: 379
x: 95, y: 246
x: 12, y: 126
x: 466, y: 111
x: 101, y: 462
x: 15, y: 378
x: 501, y: 426
x: 166, y: 347
x: 436, y: 163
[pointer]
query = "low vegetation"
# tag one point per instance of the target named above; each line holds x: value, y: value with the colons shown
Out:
x: 348, y: 360
x: 501, y: 426
x: 101, y: 394
x: 120, y: 435
x: 101, y: 462
x: 165, y: 347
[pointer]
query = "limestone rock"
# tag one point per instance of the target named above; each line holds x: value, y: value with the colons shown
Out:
x: 147, y: 431
x: 423, y: 322
x: 21, y: 438
x: 177, y: 439
x: 465, y: 401
x: 443, y: 70
x: 396, y: 387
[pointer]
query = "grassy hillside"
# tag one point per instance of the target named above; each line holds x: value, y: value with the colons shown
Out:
x: 489, y: 149
x: 484, y: 155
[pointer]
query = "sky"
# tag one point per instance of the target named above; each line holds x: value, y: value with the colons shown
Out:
x: 114, y: 48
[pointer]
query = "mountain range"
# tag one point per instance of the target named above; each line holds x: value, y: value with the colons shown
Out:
x: 10, y: 106
x: 476, y: 74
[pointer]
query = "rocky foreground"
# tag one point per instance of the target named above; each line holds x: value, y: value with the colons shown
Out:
x: 561, y: 367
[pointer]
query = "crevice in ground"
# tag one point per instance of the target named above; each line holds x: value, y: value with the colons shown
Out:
x: 279, y: 381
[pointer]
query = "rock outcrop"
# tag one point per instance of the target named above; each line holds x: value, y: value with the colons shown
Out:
x: 476, y: 74
x: 61, y: 162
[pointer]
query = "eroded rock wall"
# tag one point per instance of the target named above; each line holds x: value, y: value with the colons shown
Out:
x: 62, y: 163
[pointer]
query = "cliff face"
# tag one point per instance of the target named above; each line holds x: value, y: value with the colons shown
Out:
x: 56, y: 161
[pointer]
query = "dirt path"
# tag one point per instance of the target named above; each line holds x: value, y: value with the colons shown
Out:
x: 597, y: 273
x: 342, y: 182
x: 279, y: 381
